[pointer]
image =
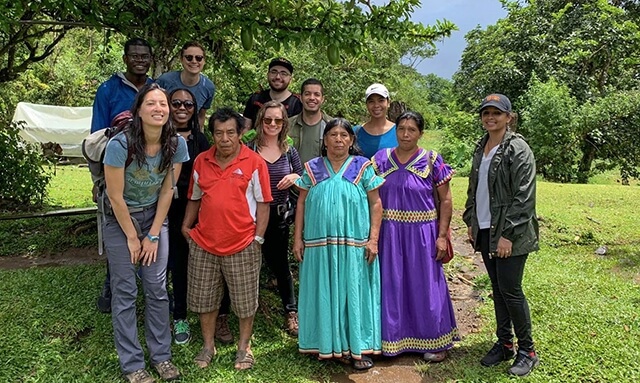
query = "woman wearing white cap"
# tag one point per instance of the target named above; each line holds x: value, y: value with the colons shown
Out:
x: 377, y: 133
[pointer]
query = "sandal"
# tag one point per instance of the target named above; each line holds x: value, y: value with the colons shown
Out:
x: 244, y: 360
x: 203, y: 359
x: 435, y: 357
x: 362, y: 364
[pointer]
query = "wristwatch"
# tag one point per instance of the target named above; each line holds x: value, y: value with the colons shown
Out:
x: 153, y: 238
x: 259, y: 239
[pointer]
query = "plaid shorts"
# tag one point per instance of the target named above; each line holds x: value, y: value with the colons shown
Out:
x: 207, y: 275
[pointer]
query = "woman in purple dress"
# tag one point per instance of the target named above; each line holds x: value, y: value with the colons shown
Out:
x: 417, y: 313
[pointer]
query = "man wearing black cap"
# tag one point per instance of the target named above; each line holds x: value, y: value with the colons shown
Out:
x: 279, y: 77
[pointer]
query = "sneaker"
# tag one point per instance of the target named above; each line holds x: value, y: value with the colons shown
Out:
x: 223, y: 334
x: 167, y: 370
x: 140, y: 376
x: 181, y: 332
x: 292, y: 323
x: 524, y: 363
x: 104, y: 300
x: 498, y: 353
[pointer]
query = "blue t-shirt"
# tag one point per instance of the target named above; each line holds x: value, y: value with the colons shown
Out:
x: 204, y: 90
x: 371, y: 144
x: 142, y: 184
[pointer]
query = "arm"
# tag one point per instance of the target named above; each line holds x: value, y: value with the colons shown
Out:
x: 375, y: 216
x: 114, y: 179
x: 150, y: 249
x: 100, y: 113
x: 298, y: 243
x: 289, y: 180
x: 202, y: 115
x: 190, y: 215
x: 262, y: 218
x: 444, y: 219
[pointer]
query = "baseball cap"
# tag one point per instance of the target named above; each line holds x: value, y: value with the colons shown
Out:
x: 497, y: 100
x: 282, y: 62
x: 378, y: 89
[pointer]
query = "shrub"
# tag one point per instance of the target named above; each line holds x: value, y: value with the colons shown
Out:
x: 24, y: 180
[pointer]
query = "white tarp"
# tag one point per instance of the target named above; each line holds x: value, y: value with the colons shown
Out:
x: 64, y: 125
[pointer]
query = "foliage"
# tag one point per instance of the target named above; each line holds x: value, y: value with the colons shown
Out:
x: 592, y: 47
x: 462, y: 131
x: 551, y: 129
x: 23, y: 180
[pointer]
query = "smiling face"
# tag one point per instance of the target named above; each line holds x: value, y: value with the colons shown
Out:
x: 272, y: 122
x: 494, y: 120
x: 154, y: 110
x: 408, y: 134
x: 193, y: 66
x: 338, y: 140
x: 377, y: 106
x: 312, y: 98
x: 279, y: 78
x: 137, y: 60
x: 182, y: 108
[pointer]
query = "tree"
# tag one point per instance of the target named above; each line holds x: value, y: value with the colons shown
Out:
x: 591, y: 46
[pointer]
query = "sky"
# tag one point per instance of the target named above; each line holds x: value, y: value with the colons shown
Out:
x: 466, y: 15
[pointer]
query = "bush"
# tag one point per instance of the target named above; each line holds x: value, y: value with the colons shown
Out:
x: 461, y: 132
x: 24, y: 181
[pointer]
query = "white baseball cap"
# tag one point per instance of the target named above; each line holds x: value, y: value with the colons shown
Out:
x: 378, y: 89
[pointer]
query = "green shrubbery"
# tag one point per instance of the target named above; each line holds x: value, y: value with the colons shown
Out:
x: 24, y: 179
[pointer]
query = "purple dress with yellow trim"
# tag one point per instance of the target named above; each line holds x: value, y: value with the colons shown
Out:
x: 339, y: 299
x: 417, y: 313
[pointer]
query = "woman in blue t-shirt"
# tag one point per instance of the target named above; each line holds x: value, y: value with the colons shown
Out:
x: 137, y: 165
x: 377, y: 133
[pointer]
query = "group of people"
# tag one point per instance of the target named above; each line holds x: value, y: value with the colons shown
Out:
x: 371, y: 210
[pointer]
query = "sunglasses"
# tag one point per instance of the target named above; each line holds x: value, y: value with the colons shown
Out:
x: 191, y: 57
x: 188, y: 104
x: 269, y: 121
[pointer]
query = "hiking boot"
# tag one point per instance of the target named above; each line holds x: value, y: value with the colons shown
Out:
x: 292, y: 323
x: 181, y: 332
x: 223, y: 334
x: 140, y: 376
x: 104, y: 300
x: 498, y: 353
x: 167, y: 370
x: 524, y: 363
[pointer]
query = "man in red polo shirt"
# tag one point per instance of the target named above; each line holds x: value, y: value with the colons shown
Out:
x: 229, y: 195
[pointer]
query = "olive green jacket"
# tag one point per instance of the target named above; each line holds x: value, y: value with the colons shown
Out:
x: 512, y: 195
x: 308, y: 144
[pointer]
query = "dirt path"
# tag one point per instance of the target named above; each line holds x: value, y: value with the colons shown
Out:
x: 386, y: 370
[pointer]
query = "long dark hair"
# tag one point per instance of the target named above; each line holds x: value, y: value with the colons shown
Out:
x: 343, y: 123
x: 193, y: 124
x: 135, y: 133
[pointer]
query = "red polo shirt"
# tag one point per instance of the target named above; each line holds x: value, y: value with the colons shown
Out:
x: 229, y: 198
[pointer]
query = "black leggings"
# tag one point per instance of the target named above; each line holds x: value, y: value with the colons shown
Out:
x: 510, y: 304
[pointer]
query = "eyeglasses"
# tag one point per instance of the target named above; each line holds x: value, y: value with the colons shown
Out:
x: 136, y: 57
x: 282, y: 74
x: 269, y: 121
x: 188, y: 104
x: 191, y: 57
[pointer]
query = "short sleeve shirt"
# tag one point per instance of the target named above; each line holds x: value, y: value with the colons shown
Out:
x: 204, y: 90
x: 370, y: 144
x: 229, y: 199
x: 292, y: 104
x: 142, y: 183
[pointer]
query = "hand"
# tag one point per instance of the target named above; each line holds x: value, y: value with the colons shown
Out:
x: 504, y: 248
x: 149, y: 252
x: 287, y: 181
x: 441, y: 248
x: 371, y: 250
x: 185, y: 232
x: 134, y: 249
x: 298, y: 249
x: 470, y: 235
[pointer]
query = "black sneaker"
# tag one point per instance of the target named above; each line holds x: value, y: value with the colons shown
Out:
x: 498, y: 353
x: 524, y: 363
x: 104, y: 300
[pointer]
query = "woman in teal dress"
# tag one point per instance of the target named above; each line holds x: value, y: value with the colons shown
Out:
x: 336, y: 239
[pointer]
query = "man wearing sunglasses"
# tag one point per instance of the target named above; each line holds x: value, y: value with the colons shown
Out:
x: 117, y: 93
x: 279, y: 77
x: 191, y: 77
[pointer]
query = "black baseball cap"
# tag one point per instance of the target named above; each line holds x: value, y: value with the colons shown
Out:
x: 282, y: 62
x: 497, y: 100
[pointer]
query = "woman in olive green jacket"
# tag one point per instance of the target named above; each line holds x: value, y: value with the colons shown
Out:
x: 501, y: 217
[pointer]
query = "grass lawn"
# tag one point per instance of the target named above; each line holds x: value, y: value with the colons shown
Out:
x: 585, y: 307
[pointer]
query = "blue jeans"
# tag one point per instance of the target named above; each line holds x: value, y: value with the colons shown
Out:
x: 124, y: 291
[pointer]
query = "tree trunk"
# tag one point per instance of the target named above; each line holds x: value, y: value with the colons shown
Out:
x: 588, y: 155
